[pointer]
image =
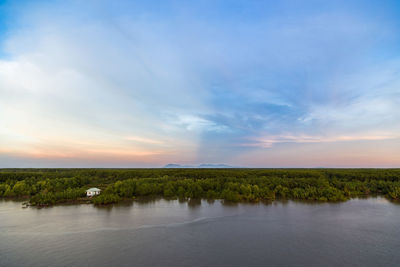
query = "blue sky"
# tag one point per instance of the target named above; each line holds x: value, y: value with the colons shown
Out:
x: 246, y: 83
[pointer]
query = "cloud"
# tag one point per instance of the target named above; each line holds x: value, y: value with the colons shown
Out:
x: 269, y: 141
x: 82, y: 90
x: 100, y: 80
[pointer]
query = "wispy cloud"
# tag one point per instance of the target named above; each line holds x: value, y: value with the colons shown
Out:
x: 269, y: 141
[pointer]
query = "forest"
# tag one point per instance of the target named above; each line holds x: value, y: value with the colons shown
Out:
x: 42, y: 187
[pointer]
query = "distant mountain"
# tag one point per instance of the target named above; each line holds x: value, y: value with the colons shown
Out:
x: 171, y: 165
x: 214, y: 166
x: 204, y: 166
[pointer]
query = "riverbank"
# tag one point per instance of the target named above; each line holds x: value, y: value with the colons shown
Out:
x: 45, y: 187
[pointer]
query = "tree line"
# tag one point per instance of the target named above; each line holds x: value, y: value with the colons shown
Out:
x: 51, y: 186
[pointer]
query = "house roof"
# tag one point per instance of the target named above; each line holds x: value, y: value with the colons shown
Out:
x: 93, y: 189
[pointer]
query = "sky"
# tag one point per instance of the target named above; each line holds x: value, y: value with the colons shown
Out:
x: 247, y: 83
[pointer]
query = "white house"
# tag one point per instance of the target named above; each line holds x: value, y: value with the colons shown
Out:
x: 93, y: 192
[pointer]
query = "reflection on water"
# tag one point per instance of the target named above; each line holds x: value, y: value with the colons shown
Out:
x: 360, y: 232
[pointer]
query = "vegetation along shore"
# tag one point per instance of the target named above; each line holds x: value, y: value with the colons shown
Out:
x: 51, y: 186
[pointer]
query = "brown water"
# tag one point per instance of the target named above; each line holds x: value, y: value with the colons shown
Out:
x: 360, y: 232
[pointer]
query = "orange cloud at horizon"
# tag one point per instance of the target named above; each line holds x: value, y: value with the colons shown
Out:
x: 361, y: 153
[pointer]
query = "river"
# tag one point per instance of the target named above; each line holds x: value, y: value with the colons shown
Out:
x: 359, y: 232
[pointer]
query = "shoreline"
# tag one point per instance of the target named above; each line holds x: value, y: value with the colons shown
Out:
x: 192, y: 202
x: 43, y: 188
